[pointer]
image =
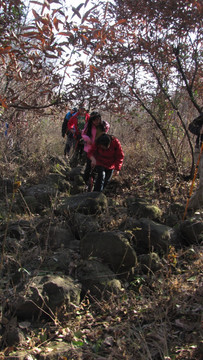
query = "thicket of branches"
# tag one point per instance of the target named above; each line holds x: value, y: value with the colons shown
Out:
x: 140, y: 64
x: 124, y: 57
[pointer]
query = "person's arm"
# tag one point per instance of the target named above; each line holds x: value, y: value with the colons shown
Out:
x: 106, y: 126
x: 72, y: 124
x: 119, y: 156
x: 87, y: 116
x: 93, y: 161
x: 86, y: 139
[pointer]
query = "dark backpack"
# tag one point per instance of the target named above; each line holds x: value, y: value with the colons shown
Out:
x: 195, y: 125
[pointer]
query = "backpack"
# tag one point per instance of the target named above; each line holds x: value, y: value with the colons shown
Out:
x: 65, y: 123
x: 195, y: 125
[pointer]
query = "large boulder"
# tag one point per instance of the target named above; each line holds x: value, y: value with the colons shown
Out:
x: 74, y: 172
x: 78, y: 185
x: 83, y: 224
x: 191, y: 230
x: 112, y: 247
x: 57, y: 181
x: 148, y: 236
x: 29, y: 203
x: 174, y: 214
x: 45, y: 293
x: 59, y: 237
x: 141, y: 208
x: 98, y: 279
x: 59, y: 262
x: 61, y: 290
x: 86, y: 203
x: 42, y: 192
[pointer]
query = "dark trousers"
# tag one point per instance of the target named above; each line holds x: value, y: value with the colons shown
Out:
x: 69, y: 143
x: 79, y: 155
x: 88, y: 170
x: 103, y: 177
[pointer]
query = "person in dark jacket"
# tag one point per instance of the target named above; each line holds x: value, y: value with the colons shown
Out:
x: 106, y: 156
x: 196, y: 128
x: 65, y: 131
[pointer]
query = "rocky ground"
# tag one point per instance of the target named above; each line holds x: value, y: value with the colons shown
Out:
x: 115, y: 275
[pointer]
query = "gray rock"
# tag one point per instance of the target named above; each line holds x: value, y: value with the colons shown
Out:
x: 14, y: 336
x: 42, y: 192
x: 140, y: 208
x: 61, y: 290
x: 150, y: 262
x: 86, y: 203
x: 76, y: 171
x: 57, y: 181
x: 98, y: 279
x: 112, y: 247
x: 59, y: 237
x: 149, y: 236
x: 83, y: 224
x: 43, y: 294
x: 56, y: 262
x: 30, y: 203
x: 191, y: 231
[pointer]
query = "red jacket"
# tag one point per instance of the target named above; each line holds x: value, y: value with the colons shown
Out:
x: 111, y: 158
x: 74, y: 122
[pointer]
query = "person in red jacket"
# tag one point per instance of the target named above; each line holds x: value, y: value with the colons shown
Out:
x: 75, y: 126
x: 106, y: 156
x: 77, y: 122
x: 92, y: 130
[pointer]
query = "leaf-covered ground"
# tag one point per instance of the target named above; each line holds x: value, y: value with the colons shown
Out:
x: 157, y: 316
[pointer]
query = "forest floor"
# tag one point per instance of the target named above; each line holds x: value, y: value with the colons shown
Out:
x: 158, y: 316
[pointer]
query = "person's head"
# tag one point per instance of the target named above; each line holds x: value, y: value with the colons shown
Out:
x: 74, y: 110
x: 81, y: 110
x: 104, y: 141
x: 95, y: 118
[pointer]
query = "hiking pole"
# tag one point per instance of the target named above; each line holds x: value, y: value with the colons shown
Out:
x: 195, y: 174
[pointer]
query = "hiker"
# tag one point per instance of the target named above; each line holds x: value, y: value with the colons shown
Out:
x: 78, y: 121
x: 196, y: 128
x: 70, y: 138
x: 75, y: 126
x: 106, y: 157
x: 92, y: 130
